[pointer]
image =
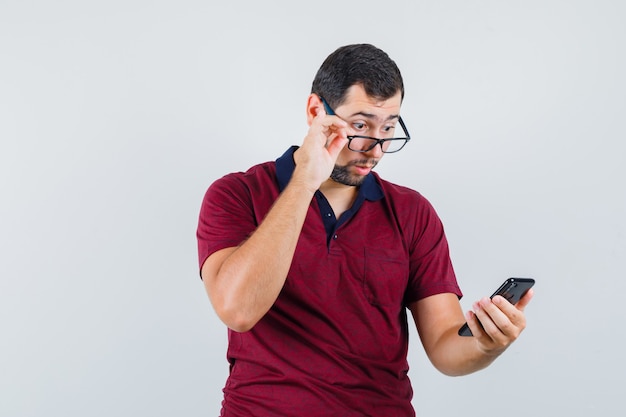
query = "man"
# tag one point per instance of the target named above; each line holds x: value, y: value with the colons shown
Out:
x: 313, y: 260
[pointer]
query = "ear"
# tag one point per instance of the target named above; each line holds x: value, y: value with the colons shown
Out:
x: 313, y: 107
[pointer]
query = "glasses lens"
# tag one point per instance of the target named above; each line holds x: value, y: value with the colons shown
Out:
x: 393, y: 145
x: 364, y: 144
x: 360, y: 144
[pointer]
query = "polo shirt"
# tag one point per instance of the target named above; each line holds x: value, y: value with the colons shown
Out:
x: 335, y: 341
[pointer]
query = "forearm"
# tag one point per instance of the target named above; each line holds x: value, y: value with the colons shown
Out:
x: 249, y: 279
x: 456, y: 355
x: 439, y: 317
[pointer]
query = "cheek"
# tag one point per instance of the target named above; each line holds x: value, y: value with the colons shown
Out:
x: 344, y: 156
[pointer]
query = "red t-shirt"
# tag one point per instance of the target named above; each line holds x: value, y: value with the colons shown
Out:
x: 335, y: 341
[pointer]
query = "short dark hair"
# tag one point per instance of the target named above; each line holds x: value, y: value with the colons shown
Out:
x: 362, y: 64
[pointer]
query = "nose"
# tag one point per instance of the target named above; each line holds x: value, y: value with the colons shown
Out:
x: 376, y: 152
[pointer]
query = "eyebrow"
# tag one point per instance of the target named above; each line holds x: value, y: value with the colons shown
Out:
x: 372, y: 116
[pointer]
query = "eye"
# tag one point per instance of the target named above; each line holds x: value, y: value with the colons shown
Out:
x: 389, y: 128
x: 358, y: 125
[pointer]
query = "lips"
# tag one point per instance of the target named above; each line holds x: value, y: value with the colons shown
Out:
x: 363, y: 169
x: 363, y: 166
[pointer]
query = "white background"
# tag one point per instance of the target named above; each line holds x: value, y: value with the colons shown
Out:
x: 116, y: 116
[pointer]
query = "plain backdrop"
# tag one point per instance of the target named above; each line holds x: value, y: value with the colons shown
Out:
x: 116, y: 116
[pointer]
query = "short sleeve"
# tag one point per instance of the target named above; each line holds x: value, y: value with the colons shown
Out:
x: 431, y: 270
x: 226, y: 216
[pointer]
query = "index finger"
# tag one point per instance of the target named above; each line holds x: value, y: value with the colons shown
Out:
x: 331, y: 126
x: 330, y: 120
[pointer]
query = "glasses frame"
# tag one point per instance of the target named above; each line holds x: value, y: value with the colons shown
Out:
x: 377, y: 141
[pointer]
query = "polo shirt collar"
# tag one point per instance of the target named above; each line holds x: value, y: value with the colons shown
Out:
x: 285, y: 165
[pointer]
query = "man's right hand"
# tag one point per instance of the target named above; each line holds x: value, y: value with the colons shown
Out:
x: 315, y: 159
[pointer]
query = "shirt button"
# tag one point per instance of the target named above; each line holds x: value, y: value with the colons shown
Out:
x: 328, y: 215
x: 335, y: 237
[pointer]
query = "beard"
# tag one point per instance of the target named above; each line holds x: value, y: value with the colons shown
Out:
x: 341, y: 173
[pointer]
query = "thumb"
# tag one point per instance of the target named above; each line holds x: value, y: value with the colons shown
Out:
x: 336, y: 144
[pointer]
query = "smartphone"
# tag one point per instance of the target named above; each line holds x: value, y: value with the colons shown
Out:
x: 512, y: 289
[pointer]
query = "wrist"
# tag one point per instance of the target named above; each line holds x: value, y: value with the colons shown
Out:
x: 302, y: 185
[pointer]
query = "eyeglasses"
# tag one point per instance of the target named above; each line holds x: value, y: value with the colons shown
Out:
x: 359, y: 143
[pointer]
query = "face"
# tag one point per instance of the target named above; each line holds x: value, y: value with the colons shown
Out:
x: 366, y: 116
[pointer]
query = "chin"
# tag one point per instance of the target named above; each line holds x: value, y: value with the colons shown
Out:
x: 352, y: 181
x: 342, y: 175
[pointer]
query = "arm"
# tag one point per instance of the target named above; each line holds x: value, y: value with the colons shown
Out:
x: 243, y: 282
x: 439, y: 317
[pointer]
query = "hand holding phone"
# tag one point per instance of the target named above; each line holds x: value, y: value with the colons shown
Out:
x: 512, y: 289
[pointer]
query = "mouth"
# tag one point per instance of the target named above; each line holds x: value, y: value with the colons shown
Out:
x: 364, y: 167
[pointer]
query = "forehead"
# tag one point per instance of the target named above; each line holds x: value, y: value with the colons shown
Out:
x: 357, y: 97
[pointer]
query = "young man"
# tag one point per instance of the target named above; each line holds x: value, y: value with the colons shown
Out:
x: 312, y: 261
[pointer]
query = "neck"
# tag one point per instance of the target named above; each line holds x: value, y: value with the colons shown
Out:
x: 339, y: 196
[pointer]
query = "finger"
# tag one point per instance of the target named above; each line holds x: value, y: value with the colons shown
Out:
x: 501, y: 318
x: 324, y: 128
x: 335, y: 126
x: 336, y: 144
x: 474, y: 324
x: 336, y: 136
x: 484, y: 311
x: 515, y: 313
x: 486, y: 334
x: 509, y: 319
x: 328, y: 121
